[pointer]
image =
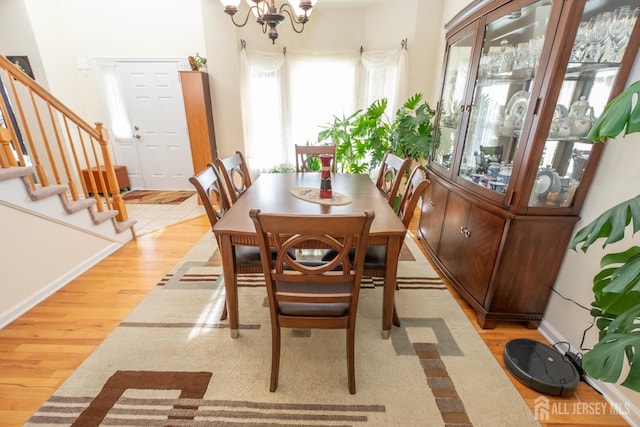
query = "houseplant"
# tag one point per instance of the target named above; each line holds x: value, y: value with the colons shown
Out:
x: 364, y: 137
x: 197, y: 62
x: 616, y: 288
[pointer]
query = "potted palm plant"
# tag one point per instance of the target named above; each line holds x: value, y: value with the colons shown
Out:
x: 616, y: 288
x: 364, y: 137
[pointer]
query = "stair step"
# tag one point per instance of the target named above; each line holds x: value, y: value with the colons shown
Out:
x: 73, y: 206
x: 43, y: 192
x: 122, y: 226
x: 18, y: 172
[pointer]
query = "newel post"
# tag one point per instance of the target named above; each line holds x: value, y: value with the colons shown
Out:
x: 112, y: 181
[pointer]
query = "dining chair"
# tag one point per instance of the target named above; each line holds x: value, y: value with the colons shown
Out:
x: 235, y: 173
x: 307, y: 153
x: 216, y: 202
x: 392, y: 170
x: 375, y: 260
x: 315, y: 295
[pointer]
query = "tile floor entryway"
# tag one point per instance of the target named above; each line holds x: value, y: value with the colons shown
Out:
x: 154, y: 217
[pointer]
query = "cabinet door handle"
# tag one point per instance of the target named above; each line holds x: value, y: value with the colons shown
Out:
x: 462, y: 230
x: 431, y: 203
x: 467, y: 233
x: 468, y: 108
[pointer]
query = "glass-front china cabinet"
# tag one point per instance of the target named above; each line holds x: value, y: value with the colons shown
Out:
x: 523, y: 82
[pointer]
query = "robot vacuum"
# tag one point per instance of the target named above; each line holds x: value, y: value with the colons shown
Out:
x: 541, y: 367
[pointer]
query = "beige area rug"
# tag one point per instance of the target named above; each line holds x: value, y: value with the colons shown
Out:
x: 173, y: 362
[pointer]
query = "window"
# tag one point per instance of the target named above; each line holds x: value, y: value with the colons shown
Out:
x: 287, y: 98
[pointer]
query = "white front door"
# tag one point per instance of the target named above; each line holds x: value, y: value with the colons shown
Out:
x: 158, y: 157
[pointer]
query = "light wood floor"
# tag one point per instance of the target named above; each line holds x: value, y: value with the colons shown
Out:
x: 43, y: 347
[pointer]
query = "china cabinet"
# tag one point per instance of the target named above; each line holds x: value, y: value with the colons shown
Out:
x: 523, y: 81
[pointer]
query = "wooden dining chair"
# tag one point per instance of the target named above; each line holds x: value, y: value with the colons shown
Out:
x: 375, y: 260
x: 235, y: 173
x: 307, y: 153
x: 392, y: 169
x: 216, y: 202
x: 317, y: 295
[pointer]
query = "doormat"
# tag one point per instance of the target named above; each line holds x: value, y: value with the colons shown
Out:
x: 157, y: 197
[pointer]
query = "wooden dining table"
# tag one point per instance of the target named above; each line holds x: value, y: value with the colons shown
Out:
x: 272, y: 193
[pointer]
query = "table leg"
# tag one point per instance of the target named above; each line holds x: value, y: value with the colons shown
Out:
x: 230, y: 285
x: 394, y: 244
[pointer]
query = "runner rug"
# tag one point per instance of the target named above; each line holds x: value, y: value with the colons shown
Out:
x: 172, y: 362
x: 157, y: 197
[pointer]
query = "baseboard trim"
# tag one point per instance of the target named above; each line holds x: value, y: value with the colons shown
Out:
x: 627, y: 410
x: 34, y: 299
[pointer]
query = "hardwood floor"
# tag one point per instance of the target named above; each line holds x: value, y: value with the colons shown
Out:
x: 43, y: 347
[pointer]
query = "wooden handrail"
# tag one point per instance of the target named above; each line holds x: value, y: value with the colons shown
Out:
x: 43, y: 138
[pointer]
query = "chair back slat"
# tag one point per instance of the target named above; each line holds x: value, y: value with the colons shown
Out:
x: 392, y: 170
x: 305, y: 154
x: 211, y: 191
x: 235, y: 173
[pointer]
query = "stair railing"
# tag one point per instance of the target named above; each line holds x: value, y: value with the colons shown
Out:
x: 38, y: 130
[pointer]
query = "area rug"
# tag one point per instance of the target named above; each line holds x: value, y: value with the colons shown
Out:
x: 157, y: 197
x: 172, y: 362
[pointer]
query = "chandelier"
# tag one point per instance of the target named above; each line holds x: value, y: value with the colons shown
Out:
x: 270, y: 16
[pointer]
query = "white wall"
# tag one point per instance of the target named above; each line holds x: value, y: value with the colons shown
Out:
x: 16, y: 36
x: 46, y: 270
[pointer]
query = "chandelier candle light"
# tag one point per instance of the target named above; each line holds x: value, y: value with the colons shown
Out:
x: 270, y: 16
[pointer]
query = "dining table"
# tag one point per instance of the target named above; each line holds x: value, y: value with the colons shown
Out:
x: 274, y: 193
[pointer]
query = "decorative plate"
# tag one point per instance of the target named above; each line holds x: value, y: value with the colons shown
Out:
x: 547, y: 181
x: 517, y: 105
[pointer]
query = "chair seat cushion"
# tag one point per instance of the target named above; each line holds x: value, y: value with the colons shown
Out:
x: 375, y: 257
x: 313, y: 309
x: 250, y: 255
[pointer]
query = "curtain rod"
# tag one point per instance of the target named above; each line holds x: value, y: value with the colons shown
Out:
x: 403, y: 44
x: 243, y: 45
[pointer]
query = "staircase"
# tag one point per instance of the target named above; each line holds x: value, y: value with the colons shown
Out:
x: 53, y: 203
x: 54, y: 223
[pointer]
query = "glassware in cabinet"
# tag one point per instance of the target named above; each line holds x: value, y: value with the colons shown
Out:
x: 452, y: 106
x: 590, y: 75
x: 507, y: 71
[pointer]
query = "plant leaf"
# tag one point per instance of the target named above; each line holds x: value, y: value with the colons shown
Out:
x: 605, y: 361
x: 618, y: 116
x: 610, y: 225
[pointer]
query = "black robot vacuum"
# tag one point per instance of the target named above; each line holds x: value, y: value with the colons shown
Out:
x: 541, y: 367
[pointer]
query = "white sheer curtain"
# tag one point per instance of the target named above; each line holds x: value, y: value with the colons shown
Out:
x: 287, y: 98
x: 120, y: 127
x: 320, y: 87
x: 264, y: 109
x: 383, y: 74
